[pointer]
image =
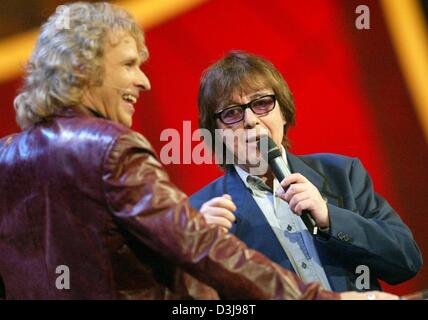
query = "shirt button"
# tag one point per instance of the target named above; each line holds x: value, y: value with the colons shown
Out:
x: 304, y: 265
x: 289, y: 228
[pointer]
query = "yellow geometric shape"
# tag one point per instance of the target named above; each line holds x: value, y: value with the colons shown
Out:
x: 15, y: 50
x: 409, y: 34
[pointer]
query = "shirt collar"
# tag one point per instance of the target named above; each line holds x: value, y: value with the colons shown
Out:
x: 254, y: 183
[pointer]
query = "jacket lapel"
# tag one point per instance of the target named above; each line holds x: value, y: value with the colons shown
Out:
x: 252, y: 226
x: 242, y: 198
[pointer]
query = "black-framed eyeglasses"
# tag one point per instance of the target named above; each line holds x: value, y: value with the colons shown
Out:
x: 259, y: 106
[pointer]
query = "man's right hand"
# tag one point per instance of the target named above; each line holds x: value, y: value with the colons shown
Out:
x: 219, y: 211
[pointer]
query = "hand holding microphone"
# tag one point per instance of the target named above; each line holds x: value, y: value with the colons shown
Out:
x: 305, y: 200
x: 302, y: 196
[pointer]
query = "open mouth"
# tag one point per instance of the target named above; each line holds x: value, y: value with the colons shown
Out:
x: 129, y: 98
x: 256, y: 138
x: 253, y: 140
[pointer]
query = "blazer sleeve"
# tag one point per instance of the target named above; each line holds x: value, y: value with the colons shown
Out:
x: 373, y: 234
x: 143, y: 200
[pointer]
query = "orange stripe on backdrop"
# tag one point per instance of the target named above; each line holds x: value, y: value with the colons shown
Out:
x: 402, y: 138
x: 408, y: 30
x: 14, y: 51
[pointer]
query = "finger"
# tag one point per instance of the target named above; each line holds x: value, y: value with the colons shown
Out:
x: 386, y: 296
x: 227, y: 196
x: 207, y: 204
x: 303, y: 205
x: 219, y: 212
x: 294, y: 189
x: 222, y: 202
x: 212, y: 201
x: 297, y: 198
x: 379, y: 295
x: 293, y: 178
x: 220, y: 221
x: 225, y: 203
x: 232, y: 206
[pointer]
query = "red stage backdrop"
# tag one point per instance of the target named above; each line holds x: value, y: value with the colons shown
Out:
x: 349, y: 93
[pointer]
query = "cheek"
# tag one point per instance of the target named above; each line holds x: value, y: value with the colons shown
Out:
x: 277, y: 122
x: 125, y: 78
x: 103, y: 96
x: 276, y: 129
x: 231, y: 137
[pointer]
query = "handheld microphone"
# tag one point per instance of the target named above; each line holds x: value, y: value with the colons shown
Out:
x: 279, y: 169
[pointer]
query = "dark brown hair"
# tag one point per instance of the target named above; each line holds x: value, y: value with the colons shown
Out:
x: 242, y: 72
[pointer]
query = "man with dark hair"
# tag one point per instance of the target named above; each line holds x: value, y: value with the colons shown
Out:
x: 246, y: 94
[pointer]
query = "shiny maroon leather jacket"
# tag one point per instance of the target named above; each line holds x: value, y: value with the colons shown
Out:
x: 90, y: 194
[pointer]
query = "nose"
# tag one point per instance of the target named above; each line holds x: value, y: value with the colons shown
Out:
x: 250, y: 119
x: 143, y: 82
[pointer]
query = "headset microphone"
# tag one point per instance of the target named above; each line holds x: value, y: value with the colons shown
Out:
x: 117, y: 88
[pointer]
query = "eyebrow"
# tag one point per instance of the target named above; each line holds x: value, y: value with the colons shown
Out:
x: 251, y: 97
x: 133, y: 59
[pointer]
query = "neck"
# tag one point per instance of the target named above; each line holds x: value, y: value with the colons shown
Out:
x: 268, y: 177
x: 89, y: 111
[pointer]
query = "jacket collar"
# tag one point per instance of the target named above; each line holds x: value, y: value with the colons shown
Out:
x: 234, y: 185
x: 74, y: 111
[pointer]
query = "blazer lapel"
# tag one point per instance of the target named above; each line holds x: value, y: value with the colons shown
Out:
x: 242, y: 198
x: 252, y: 226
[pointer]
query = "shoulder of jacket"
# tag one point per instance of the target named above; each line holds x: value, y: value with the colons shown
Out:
x: 331, y: 160
x: 212, y: 188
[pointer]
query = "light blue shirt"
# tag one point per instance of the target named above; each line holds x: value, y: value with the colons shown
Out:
x: 294, y: 237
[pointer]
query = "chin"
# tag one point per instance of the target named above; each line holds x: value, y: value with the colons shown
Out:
x: 126, y: 122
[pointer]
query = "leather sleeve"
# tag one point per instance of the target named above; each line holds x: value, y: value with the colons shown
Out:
x: 142, y: 199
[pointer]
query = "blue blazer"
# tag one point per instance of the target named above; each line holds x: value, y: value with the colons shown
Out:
x: 364, y: 228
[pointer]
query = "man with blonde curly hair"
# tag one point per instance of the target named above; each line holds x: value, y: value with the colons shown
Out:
x: 87, y: 211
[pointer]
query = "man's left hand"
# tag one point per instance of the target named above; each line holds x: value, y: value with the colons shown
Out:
x: 303, y: 195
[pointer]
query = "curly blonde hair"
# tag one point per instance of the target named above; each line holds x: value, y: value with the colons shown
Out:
x: 67, y: 58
